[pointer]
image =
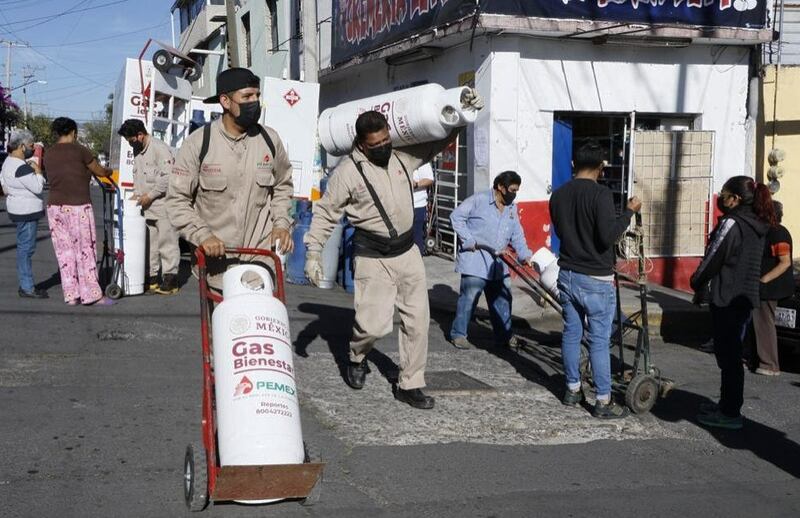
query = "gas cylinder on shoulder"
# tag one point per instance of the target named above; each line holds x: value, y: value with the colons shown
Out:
x: 258, y: 415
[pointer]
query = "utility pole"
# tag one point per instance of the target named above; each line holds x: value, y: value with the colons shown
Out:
x: 310, y: 48
x: 8, y: 45
x: 233, y: 33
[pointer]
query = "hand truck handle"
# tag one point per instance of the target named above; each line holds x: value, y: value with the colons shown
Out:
x: 279, y: 292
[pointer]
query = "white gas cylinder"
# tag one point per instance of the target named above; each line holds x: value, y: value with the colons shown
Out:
x: 134, y: 239
x: 420, y: 114
x: 547, y: 265
x: 258, y: 415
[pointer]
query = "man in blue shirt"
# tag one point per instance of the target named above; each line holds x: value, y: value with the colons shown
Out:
x: 487, y: 218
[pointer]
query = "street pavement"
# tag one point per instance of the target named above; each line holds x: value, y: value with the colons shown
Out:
x: 99, y: 403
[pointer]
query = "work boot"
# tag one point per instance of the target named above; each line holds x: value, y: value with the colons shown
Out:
x: 572, y: 397
x: 35, y: 294
x: 151, y: 284
x: 461, y: 342
x: 414, y: 397
x: 169, y: 284
x: 609, y: 410
x: 355, y: 374
x: 720, y: 420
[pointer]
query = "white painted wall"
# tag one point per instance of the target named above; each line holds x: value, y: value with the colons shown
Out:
x: 525, y: 80
x: 708, y: 81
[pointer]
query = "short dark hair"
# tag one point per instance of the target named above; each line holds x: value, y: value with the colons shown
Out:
x: 778, y: 206
x: 131, y: 127
x: 589, y: 155
x: 62, y: 126
x: 370, y: 122
x: 507, y: 179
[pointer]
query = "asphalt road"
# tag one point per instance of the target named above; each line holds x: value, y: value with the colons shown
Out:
x: 98, y: 404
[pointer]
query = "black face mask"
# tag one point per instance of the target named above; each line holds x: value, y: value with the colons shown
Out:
x: 721, y: 206
x: 138, y: 147
x: 508, y: 197
x: 379, y: 155
x: 28, y: 153
x: 249, y: 113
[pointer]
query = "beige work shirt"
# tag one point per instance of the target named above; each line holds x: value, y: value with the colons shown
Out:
x: 238, y: 194
x: 151, y: 172
x: 347, y: 194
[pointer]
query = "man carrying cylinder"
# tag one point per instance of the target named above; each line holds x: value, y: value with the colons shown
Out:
x: 373, y: 187
x: 152, y: 164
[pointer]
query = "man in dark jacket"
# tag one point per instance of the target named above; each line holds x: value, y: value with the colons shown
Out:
x: 585, y: 221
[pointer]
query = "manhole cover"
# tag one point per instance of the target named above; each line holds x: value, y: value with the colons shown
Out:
x: 454, y: 383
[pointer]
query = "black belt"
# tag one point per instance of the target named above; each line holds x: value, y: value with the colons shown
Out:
x: 368, y: 244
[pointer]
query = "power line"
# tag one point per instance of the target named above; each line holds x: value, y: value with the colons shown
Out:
x: 72, y: 10
x: 101, y: 39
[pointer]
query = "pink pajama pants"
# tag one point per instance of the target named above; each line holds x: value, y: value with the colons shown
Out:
x: 73, y: 235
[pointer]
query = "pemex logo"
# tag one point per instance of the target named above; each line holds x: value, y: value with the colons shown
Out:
x: 245, y: 386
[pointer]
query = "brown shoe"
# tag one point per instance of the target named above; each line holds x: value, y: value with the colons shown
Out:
x: 169, y: 284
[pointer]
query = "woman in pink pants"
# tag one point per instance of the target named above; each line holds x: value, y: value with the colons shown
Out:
x: 69, y: 168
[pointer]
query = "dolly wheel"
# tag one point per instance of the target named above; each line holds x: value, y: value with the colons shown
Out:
x: 430, y: 244
x: 195, y: 479
x: 641, y: 394
x: 311, y: 455
x: 113, y: 291
x: 195, y: 72
x: 162, y: 60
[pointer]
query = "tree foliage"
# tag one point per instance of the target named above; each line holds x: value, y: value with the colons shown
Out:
x: 9, y: 112
x: 96, y: 134
x: 39, y: 125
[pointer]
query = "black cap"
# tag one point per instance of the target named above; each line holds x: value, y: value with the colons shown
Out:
x: 231, y: 80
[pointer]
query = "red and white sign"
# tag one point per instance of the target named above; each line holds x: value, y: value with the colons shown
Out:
x: 291, y: 97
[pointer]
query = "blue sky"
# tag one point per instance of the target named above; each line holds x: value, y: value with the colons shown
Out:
x: 79, y: 74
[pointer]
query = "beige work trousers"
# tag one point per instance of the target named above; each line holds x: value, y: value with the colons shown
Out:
x: 381, y: 285
x: 165, y: 253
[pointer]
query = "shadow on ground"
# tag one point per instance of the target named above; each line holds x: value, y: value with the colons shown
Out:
x: 334, y: 325
x: 765, y: 442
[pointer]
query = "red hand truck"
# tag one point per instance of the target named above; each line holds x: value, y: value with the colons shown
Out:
x: 204, y: 479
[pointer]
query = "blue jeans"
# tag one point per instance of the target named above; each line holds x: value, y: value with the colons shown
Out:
x: 26, y: 245
x: 420, y: 218
x: 498, y: 298
x: 584, y: 299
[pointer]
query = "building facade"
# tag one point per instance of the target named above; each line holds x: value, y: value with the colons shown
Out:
x: 664, y: 85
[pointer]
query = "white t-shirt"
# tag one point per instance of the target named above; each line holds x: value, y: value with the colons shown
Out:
x: 425, y: 172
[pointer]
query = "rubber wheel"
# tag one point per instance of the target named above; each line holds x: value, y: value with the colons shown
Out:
x: 195, y: 73
x: 311, y: 455
x: 641, y: 393
x: 195, y: 479
x: 162, y: 60
x: 430, y: 244
x: 113, y: 291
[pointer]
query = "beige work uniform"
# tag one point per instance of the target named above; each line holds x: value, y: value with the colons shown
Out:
x: 151, y: 172
x: 239, y: 193
x: 382, y: 283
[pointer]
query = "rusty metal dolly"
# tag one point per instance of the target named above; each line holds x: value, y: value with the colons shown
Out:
x: 204, y: 479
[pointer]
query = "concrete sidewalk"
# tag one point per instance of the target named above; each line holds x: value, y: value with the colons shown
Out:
x: 671, y: 314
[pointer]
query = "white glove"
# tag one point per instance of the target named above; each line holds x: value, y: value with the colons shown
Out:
x: 472, y: 99
x: 313, y: 269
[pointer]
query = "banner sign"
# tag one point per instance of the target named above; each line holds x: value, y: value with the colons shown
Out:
x: 363, y: 25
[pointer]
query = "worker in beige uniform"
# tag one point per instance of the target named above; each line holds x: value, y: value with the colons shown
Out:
x: 374, y: 188
x: 231, y: 185
x: 152, y: 165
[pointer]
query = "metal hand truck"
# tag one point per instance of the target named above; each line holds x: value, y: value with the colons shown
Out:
x: 204, y: 479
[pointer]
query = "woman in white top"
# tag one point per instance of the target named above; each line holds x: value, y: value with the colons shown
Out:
x: 23, y: 184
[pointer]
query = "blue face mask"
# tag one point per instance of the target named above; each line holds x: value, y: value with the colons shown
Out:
x: 28, y: 152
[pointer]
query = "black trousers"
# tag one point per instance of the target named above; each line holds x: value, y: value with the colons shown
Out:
x: 729, y: 325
